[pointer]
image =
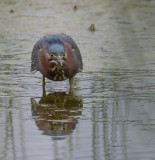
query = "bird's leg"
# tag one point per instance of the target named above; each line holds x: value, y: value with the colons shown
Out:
x: 71, y: 83
x: 43, y: 86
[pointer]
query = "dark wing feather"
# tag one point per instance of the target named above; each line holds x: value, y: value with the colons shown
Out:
x: 35, y: 55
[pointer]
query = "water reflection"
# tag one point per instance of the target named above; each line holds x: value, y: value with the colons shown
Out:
x: 56, y: 113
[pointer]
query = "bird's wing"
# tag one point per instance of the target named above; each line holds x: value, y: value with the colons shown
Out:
x: 35, y: 55
x: 74, y: 48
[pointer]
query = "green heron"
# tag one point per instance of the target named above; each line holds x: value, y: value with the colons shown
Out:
x: 57, y: 57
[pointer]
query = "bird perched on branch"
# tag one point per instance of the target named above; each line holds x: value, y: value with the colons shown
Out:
x: 57, y: 57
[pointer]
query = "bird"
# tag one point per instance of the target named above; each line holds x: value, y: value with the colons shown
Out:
x: 57, y: 57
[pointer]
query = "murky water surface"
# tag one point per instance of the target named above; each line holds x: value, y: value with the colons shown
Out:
x: 112, y: 114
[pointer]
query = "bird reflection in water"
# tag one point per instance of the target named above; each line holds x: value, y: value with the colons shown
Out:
x: 56, y: 113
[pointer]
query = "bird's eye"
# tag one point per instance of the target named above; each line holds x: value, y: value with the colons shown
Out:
x: 63, y: 57
x: 52, y: 56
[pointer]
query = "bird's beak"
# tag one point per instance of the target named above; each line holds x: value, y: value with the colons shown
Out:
x: 50, y: 59
x: 59, y: 60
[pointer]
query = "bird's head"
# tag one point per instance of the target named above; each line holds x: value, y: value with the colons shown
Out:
x: 57, y: 52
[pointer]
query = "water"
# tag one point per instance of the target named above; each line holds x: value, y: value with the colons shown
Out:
x: 111, y: 115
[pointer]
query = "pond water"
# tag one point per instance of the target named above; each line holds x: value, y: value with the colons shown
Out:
x: 111, y: 116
